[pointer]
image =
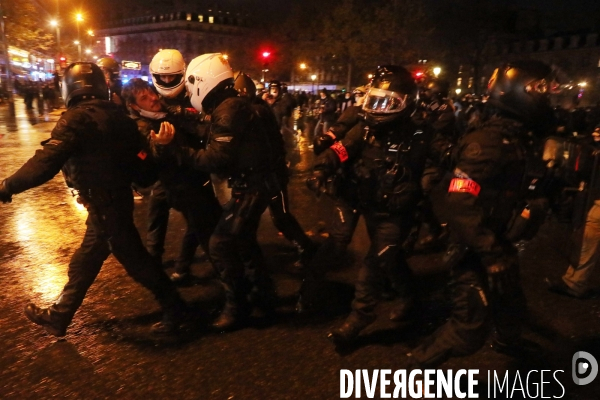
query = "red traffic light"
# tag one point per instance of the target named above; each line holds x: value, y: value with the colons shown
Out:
x: 266, y: 54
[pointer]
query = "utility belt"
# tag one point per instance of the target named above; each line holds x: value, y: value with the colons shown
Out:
x: 254, y: 180
x: 87, y: 196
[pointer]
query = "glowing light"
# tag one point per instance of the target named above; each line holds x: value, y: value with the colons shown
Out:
x: 313, y: 77
x: 437, y: 71
x: 302, y: 66
x: 266, y: 54
x: 458, y: 91
x: 582, y: 84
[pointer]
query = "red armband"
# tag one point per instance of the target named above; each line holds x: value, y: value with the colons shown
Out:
x: 340, y: 150
x: 462, y: 185
x: 142, y: 155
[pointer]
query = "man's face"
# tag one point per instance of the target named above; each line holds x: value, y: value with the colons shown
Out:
x: 147, y: 100
x: 167, y: 78
x: 323, y: 95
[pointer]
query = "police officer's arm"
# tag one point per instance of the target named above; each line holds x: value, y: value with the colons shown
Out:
x: 337, y: 131
x: 479, y: 156
x: 228, y: 123
x: 47, y: 162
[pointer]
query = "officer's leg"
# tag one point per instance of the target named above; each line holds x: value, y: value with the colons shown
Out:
x: 126, y: 245
x: 237, y: 217
x: 287, y: 224
x: 83, y: 269
x: 380, y: 264
x: 332, y: 252
x: 201, y: 210
x: 262, y: 289
x: 466, y: 330
x: 158, y: 220
x: 507, y: 302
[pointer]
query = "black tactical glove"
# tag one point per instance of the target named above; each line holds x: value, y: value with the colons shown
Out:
x: 503, y: 278
x: 322, y: 143
x: 317, y: 182
x: 5, y: 195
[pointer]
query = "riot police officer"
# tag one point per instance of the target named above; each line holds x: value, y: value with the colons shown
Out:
x: 279, y: 207
x: 97, y: 147
x: 385, y: 156
x: 167, y: 70
x: 241, y: 147
x: 480, y: 197
x: 438, y: 110
x: 111, y: 69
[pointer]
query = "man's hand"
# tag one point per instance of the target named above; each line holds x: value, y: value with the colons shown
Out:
x: 165, y: 134
x: 5, y: 195
x: 316, y: 183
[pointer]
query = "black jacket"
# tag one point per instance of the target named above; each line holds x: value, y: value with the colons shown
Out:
x: 95, y: 144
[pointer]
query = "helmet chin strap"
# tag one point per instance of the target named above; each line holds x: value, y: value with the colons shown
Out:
x: 153, y: 114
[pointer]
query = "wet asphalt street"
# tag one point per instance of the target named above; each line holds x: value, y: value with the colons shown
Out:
x: 109, y: 353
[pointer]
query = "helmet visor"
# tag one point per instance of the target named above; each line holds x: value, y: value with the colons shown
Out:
x: 168, y: 81
x: 384, y: 101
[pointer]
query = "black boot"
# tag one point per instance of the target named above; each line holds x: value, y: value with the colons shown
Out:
x: 308, y: 295
x: 234, y: 311
x: 173, y: 308
x: 53, y: 321
x: 347, y: 333
x: 403, y: 309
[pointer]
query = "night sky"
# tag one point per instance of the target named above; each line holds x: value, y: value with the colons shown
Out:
x: 558, y: 15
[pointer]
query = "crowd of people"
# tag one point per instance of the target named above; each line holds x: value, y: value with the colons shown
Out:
x: 475, y: 176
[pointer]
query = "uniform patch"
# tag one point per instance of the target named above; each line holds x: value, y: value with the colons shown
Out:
x: 473, y: 150
x: 61, y: 125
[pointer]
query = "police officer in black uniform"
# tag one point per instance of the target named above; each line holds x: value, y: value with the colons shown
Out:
x: 478, y: 202
x: 243, y: 148
x: 97, y: 148
x: 279, y: 208
x: 438, y: 110
x: 385, y: 156
x: 112, y: 74
x: 187, y: 190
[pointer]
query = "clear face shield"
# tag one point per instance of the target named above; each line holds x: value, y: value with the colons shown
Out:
x: 379, y: 101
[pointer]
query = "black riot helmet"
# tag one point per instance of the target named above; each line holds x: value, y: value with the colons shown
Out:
x: 245, y: 86
x: 275, y: 89
x: 391, y: 96
x: 434, y: 90
x: 83, y: 80
x: 520, y: 89
x: 110, y: 68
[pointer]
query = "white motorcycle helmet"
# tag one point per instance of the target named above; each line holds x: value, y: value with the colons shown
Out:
x: 168, y: 69
x: 204, y: 74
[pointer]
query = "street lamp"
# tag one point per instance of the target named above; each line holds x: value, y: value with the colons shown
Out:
x: 55, y: 24
x: 313, y: 77
x: 458, y: 90
x: 78, y: 19
x: 437, y: 71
